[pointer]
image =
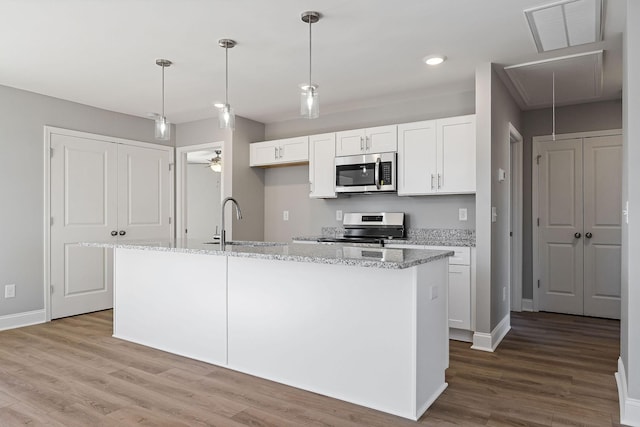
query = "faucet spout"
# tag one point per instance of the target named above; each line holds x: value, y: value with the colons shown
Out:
x: 223, y: 234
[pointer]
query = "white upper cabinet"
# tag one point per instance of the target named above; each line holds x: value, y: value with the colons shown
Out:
x: 322, y: 152
x: 417, y: 158
x: 379, y: 139
x: 437, y: 156
x: 457, y: 157
x: 278, y: 152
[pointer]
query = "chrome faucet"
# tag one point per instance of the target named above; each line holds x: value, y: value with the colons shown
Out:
x: 223, y: 233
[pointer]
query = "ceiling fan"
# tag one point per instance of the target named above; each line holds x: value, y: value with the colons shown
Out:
x: 216, y: 162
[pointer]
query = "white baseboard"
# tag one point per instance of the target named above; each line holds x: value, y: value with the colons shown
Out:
x: 460, y: 335
x: 489, y: 342
x: 18, y: 320
x: 629, y: 407
x: 527, y: 304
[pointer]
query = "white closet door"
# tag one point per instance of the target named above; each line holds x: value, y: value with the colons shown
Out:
x: 143, y: 193
x: 83, y: 208
x: 561, y: 222
x: 602, y: 225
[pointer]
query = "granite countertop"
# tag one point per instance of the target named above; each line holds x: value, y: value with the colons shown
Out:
x: 418, y: 236
x: 339, y: 254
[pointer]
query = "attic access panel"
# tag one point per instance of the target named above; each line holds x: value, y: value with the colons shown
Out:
x: 578, y: 79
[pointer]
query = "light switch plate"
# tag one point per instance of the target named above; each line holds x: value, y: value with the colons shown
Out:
x: 494, y: 214
x: 338, y: 215
x: 285, y: 215
x: 462, y: 214
x: 502, y: 174
x: 10, y: 291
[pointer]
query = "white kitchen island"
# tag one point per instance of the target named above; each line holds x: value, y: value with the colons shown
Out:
x: 365, y: 325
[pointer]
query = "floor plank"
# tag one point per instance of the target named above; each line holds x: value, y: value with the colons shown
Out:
x: 551, y: 370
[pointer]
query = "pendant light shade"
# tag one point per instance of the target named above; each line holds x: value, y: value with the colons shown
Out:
x: 309, y: 102
x: 162, y: 126
x: 226, y: 116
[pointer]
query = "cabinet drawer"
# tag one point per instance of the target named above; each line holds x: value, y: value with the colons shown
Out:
x: 462, y: 254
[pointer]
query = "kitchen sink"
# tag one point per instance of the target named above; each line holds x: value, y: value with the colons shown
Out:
x: 246, y: 243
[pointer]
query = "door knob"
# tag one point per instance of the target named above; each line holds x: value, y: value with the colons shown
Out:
x: 588, y: 235
x: 577, y: 235
x: 114, y: 233
x: 122, y: 232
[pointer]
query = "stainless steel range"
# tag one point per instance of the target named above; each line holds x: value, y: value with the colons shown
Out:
x: 371, y: 228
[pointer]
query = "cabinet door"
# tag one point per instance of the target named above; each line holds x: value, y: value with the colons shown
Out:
x: 460, y: 296
x: 144, y: 201
x: 294, y: 150
x: 322, y: 152
x: 457, y: 154
x: 350, y: 142
x: 263, y: 153
x: 381, y: 139
x: 417, y: 163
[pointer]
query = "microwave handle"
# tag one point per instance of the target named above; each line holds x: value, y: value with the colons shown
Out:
x: 376, y: 175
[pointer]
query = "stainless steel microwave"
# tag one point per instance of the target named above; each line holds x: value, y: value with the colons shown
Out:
x: 366, y: 173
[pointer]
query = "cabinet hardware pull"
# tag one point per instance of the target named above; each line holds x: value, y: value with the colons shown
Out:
x: 122, y: 232
x: 439, y: 181
x: 275, y: 154
x: 114, y: 233
x: 577, y: 235
x: 432, y: 177
x: 361, y: 144
x: 588, y: 235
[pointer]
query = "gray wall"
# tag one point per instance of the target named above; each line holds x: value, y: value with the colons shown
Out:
x: 570, y: 119
x: 22, y: 118
x: 630, y: 321
x: 287, y: 188
x: 504, y: 110
x: 244, y: 183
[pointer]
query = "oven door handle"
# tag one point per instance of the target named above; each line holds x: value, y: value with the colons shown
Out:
x: 376, y: 175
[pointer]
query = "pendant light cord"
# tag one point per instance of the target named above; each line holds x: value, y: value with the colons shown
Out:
x: 163, y: 90
x: 226, y: 73
x: 310, y: 54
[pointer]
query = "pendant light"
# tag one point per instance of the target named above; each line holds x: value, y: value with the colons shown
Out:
x: 309, y: 105
x: 163, y: 127
x: 226, y: 116
x: 216, y: 163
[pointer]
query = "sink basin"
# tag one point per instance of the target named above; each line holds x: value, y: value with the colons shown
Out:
x: 246, y: 243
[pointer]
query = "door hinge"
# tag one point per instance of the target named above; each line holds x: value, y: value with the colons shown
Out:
x: 511, y: 234
x: 538, y: 159
x: 538, y: 283
x: 50, y: 221
x: 170, y: 166
x: 538, y: 222
x: 51, y: 289
x: 50, y: 151
x: 169, y: 220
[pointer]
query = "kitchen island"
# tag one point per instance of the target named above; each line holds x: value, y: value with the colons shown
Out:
x: 365, y: 325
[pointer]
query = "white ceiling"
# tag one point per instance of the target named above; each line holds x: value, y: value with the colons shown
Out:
x: 102, y: 52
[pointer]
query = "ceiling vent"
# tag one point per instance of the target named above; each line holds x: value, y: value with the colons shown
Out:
x: 566, y: 23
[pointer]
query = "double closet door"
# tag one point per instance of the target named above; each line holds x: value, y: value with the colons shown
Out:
x: 579, y: 231
x: 101, y: 191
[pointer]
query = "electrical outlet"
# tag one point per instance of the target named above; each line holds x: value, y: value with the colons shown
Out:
x: 285, y: 215
x: 10, y: 291
x: 462, y: 214
x: 338, y: 215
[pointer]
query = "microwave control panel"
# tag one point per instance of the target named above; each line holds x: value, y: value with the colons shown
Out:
x: 386, y: 173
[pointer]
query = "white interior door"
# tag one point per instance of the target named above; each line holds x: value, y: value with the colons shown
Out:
x: 144, y: 203
x: 83, y: 208
x: 602, y: 225
x: 561, y: 223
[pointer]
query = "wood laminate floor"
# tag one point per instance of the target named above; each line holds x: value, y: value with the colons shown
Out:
x: 551, y: 370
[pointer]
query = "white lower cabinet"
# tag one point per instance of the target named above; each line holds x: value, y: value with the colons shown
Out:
x: 461, y: 282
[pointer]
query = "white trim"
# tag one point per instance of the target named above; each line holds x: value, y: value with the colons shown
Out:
x: 489, y: 342
x: 460, y: 335
x: 527, y: 304
x: 181, y: 182
x: 48, y: 132
x: 18, y: 320
x: 536, y: 140
x: 515, y: 217
x: 629, y: 407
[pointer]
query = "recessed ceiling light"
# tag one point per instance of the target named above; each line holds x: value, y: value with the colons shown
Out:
x: 218, y: 104
x: 434, y: 59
